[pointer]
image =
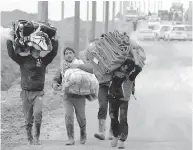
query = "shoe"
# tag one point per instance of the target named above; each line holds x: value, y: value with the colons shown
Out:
x: 70, y: 142
x: 114, y: 142
x: 70, y: 133
x: 99, y: 136
x: 29, y: 134
x: 110, y: 137
x: 121, y: 144
x: 37, y: 134
x: 83, y: 136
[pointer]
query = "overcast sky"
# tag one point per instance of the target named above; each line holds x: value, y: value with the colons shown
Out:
x: 54, y: 7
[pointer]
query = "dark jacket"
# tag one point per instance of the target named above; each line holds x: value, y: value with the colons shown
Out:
x: 32, y: 75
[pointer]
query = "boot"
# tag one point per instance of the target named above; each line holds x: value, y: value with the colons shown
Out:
x: 110, y: 134
x: 121, y: 144
x: 37, y: 134
x: 70, y: 133
x: 83, y: 136
x: 114, y: 142
x: 101, y: 134
x: 29, y: 134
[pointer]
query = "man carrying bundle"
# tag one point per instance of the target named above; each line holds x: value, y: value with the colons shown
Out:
x: 33, y: 68
x: 72, y: 101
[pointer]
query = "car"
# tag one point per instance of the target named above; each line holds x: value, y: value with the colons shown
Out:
x: 153, y: 22
x: 142, y: 16
x: 131, y: 15
x: 188, y: 31
x: 177, y: 32
x: 146, y: 34
x: 160, y: 30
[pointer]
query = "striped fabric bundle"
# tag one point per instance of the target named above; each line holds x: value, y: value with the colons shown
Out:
x: 110, y: 51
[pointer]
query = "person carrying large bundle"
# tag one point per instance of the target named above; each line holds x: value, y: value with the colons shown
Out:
x: 32, y: 68
x: 78, y: 83
x: 116, y: 61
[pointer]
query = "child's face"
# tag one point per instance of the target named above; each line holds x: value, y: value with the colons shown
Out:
x: 69, y: 56
x: 124, y: 68
x: 127, y: 68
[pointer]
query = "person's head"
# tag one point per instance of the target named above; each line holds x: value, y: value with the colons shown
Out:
x: 69, y: 54
x: 128, y: 66
x: 35, y: 52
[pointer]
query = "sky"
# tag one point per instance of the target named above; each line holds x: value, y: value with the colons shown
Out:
x: 54, y: 7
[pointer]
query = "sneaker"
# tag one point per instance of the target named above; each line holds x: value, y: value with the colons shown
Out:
x: 30, y: 142
x: 70, y: 142
x: 99, y: 136
x: 37, y: 141
x: 114, y: 142
x: 121, y: 144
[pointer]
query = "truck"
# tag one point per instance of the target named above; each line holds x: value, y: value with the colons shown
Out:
x: 131, y: 15
x: 163, y: 14
x: 176, y: 12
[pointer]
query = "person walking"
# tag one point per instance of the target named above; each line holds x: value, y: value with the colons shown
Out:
x: 73, y: 101
x: 120, y: 90
x: 33, y: 70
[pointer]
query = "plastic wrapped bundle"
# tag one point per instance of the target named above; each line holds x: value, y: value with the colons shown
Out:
x: 79, y: 82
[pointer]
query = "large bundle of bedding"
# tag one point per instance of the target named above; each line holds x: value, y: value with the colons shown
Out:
x: 110, y: 51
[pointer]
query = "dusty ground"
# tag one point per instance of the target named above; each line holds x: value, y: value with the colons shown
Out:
x: 159, y: 120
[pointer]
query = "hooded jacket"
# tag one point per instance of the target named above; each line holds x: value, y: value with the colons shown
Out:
x: 32, y: 70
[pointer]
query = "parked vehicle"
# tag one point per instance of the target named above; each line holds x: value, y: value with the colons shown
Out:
x: 131, y: 15
x: 160, y: 30
x: 146, y: 34
x: 153, y: 22
x: 177, y: 32
x: 188, y: 31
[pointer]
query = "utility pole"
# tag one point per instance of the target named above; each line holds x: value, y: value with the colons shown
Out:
x: 93, y: 19
x: 103, y: 11
x: 43, y: 11
x: 113, y: 16
x: 103, y: 16
x: 107, y: 16
x: 144, y: 6
x: 154, y: 6
x: 190, y: 13
x: 61, y: 43
x: 121, y: 7
x: 62, y: 10
x: 43, y: 14
x: 87, y: 25
x: 139, y: 6
x: 76, y: 27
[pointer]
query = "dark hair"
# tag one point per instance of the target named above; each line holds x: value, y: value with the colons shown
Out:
x: 68, y: 48
x: 129, y: 63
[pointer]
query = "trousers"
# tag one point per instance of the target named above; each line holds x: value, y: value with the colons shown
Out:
x: 119, y: 123
x: 32, y: 103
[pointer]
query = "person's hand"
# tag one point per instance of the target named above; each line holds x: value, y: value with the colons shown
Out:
x: 73, y: 66
x: 56, y: 87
